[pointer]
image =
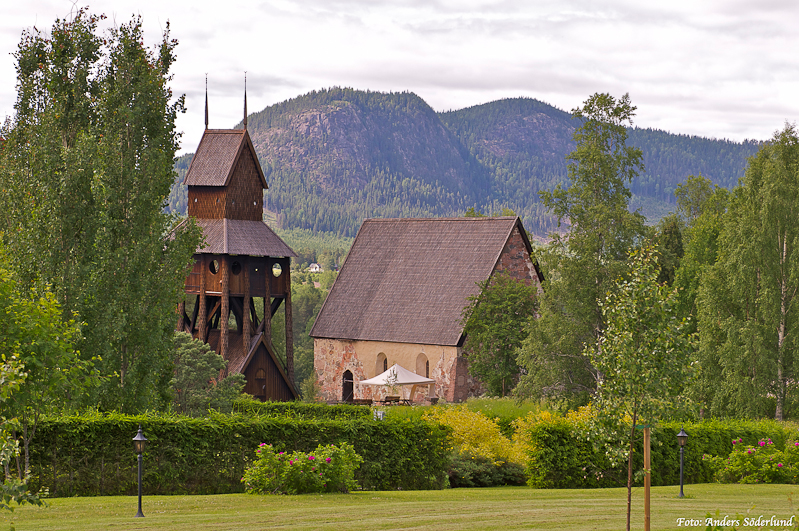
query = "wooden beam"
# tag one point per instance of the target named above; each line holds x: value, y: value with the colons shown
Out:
x: 245, y: 311
x: 289, y: 330
x: 225, y: 317
x: 275, y: 305
x: 203, y: 316
x: 267, y: 322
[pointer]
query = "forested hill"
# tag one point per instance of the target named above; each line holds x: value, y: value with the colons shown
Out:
x: 334, y: 157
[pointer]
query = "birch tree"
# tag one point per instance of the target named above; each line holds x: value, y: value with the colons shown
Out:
x: 747, y: 302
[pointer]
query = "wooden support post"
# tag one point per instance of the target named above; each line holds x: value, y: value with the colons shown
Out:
x: 267, y: 322
x: 202, y: 318
x: 289, y: 329
x: 246, y: 309
x: 647, y: 479
x: 223, y: 320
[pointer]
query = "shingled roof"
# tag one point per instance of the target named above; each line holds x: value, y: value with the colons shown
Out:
x: 407, y: 280
x: 242, y: 237
x: 216, y: 156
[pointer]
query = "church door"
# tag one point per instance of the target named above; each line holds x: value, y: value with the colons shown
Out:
x: 346, y: 387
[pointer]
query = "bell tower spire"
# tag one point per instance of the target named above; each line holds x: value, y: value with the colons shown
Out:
x: 206, y: 101
x: 245, y: 99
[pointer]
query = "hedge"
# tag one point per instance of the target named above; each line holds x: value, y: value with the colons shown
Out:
x: 301, y: 410
x: 92, y: 454
x: 562, y: 456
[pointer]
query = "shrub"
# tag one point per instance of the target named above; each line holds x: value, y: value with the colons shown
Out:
x: 475, y: 435
x: 470, y: 471
x: 483, y: 456
x: 559, y: 453
x: 761, y: 463
x: 329, y: 468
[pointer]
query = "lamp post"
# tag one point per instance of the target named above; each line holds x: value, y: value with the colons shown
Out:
x: 139, y: 442
x: 682, y: 437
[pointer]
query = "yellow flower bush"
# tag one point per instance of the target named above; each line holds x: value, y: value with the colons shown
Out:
x: 476, y: 435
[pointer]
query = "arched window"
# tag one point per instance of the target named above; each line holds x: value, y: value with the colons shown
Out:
x: 422, y: 366
x: 381, y: 365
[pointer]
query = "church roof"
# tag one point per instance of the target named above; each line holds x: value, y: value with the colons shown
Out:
x: 241, y: 237
x: 216, y: 156
x: 407, y: 280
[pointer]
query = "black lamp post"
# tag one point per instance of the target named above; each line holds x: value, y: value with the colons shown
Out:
x: 682, y: 437
x: 139, y: 442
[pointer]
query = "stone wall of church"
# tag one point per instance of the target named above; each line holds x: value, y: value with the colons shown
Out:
x: 367, y: 359
x: 516, y: 262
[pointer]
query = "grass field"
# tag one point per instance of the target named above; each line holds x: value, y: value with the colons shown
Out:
x: 507, y: 508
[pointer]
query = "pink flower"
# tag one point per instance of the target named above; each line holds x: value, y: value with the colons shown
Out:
x: 327, y: 460
x: 740, y: 440
x: 291, y: 462
x: 749, y: 452
x: 762, y: 443
x: 779, y: 465
x: 311, y: 458
x: 734, y: 441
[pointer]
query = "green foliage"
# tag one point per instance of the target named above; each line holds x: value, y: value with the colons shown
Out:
x: 494, y: 322
x: 760, y: 463
x: 560, y: 454
x: 91, y: 454
x: 477, y: 471
x: 12, y: 489
x: 197, y: 384
x: 86, y: 169
x: 301, y: 410
x: 329, y: 468
x: 749, y: 321
x: 37, y: 340
x: 582, y: 265
x: 562, y: 451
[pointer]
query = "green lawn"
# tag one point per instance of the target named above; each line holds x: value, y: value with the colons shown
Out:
x: 506, y: 508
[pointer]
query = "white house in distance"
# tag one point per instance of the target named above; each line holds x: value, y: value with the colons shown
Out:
x: 399, y: 298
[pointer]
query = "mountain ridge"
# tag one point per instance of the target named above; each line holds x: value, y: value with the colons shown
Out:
x: 336, y: 156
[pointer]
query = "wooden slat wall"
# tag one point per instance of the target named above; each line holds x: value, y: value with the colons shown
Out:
x: 275, y: 386
x: 207, y: 202
x: 245, y: 194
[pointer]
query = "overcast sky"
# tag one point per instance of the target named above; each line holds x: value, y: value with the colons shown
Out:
x: 709, y: 68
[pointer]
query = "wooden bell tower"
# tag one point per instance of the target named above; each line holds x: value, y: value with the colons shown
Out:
x: 242, y: 261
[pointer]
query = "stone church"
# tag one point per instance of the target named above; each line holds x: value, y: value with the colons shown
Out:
x: 399, y: 299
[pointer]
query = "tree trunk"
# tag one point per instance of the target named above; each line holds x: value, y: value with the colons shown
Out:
x: 781, y: 384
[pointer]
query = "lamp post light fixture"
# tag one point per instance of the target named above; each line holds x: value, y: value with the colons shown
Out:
x: 139, y: 442
x: 682, y: 438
